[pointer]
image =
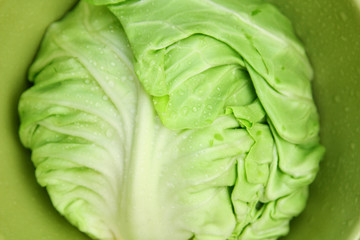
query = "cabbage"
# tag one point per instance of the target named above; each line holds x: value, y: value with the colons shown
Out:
x: 162, y: 119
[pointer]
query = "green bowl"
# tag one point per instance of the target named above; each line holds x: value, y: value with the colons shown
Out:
x: 330, y: 30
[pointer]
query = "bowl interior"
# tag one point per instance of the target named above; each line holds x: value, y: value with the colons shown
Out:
x: 330, y: 30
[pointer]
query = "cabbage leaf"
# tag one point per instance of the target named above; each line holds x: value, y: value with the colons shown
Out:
x: 196, y: 122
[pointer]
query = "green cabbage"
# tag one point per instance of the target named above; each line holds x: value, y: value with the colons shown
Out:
x: 194, y: 122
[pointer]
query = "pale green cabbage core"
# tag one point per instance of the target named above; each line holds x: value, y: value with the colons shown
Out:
x: 194, y: 122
